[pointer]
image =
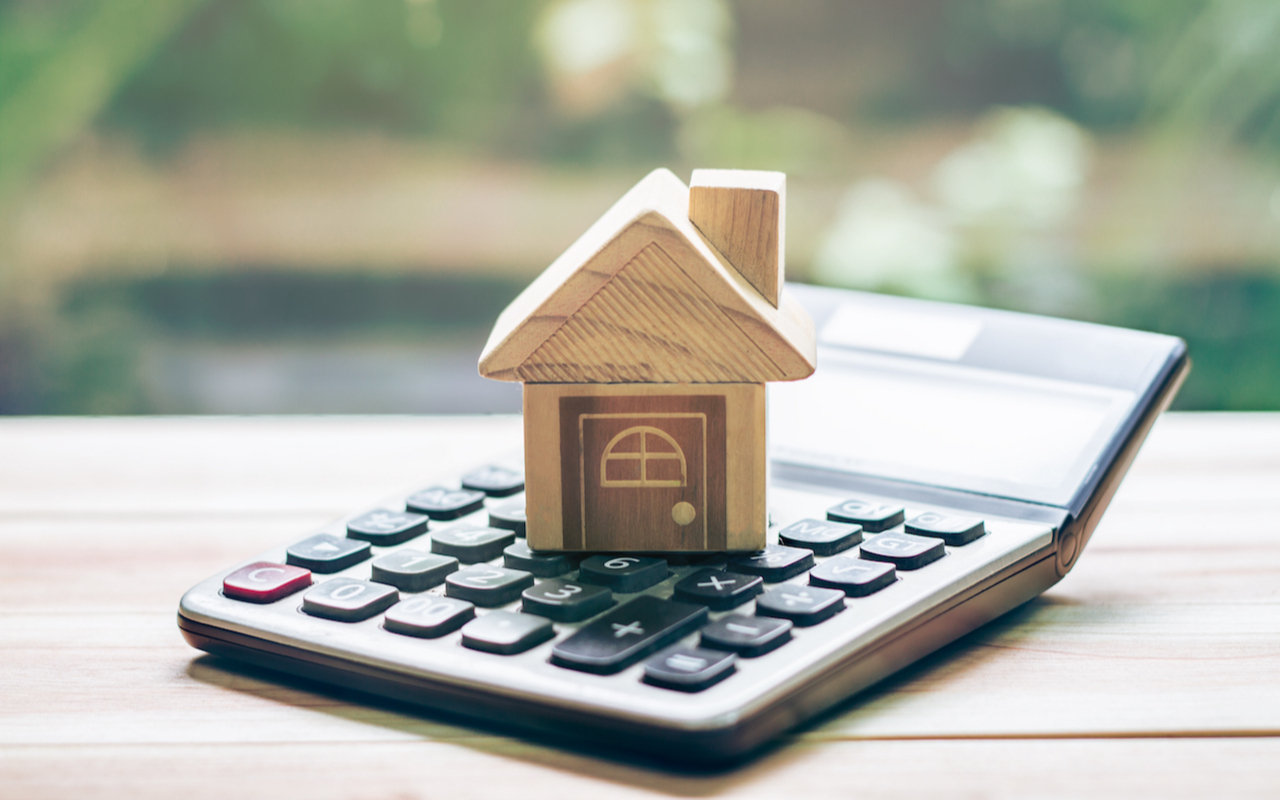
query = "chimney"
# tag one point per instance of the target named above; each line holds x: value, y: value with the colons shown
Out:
x: 743, y: 213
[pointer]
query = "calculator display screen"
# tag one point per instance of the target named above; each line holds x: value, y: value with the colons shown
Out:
x: 951, y: 425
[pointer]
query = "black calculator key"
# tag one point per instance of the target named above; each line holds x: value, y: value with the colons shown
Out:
x: 774, y: 563
x: 325, y: 553
x: 509, y: 516
x: 494, y: 481
x: 952, y: 530
x: 566, y: 601
x: 628, y: 633
x: 872, y: 517
x: 348, y: 599
x: 803, y: 605
x: 823, y: 537
x: 542, y: 565
x: 717, y: 589
x: 429, y: 616
x: 384, y: 528
x: 623, y: 574
x: 856, y: 577
x: 506, y: 632
x: 413, y: 570
x: 688, y: 669
x: 471, y: 544
x: 487, y: 586
x: 903, y: 550
x: 441, y: 503
x: 747, y: 636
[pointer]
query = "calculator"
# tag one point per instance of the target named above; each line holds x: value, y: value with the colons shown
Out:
x: 943, y: 465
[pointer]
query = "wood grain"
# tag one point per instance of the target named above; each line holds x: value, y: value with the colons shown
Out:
x: 1149, y: 671
x: 547, y: 442
x: 654, y: 212
x: 743, y: 213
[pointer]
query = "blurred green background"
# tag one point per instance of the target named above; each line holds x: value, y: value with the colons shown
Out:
x: 321, y: 205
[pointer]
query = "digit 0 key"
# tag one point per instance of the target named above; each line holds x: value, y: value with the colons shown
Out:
x: 348, y: 600
x: 626, y: 634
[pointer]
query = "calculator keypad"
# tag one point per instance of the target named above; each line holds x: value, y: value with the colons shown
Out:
x: 505, y: 599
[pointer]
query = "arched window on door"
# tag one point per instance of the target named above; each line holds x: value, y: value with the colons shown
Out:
x: 643, y: 456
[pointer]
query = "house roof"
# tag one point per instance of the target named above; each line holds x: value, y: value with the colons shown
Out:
x: 642, y: 297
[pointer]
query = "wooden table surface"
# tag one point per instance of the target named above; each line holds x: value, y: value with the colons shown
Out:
x: 1152, y: 670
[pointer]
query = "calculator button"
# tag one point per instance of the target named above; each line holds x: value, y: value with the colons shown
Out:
x: 542, y: 565
x: 441, y: 503
x: 494, y: 481
x: 413, y: 570
x: 747, y: 636
x: 955, y: 531
x: 506, y: 632
x: 348, y: 600
x: 873, y: 517
x: 717, y: 589
x: 386, y: 527
x: 626, y: 634
x: 325, y: 553
x: 688, y: 669
x: 471, y: 544
x: 429, y: 616
x: 856, y: 577
x: 803, y: 605
x: 774, y: 563
x: 264, y: 582
x: 566, y: 601
x: 903, y: 550
x: 509, y: 516
x: 623, y: 574
x: 823, y: 537
x: 487, y: 586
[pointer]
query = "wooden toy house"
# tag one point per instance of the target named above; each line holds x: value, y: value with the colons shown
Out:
x: 644, y: 351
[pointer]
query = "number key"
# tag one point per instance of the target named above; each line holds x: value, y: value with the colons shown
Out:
x: 348, y: 599
x: 623, y: 574
x: 566, y: 601
x: 412, y: 570
x: 385, y: 528
x: 428, y: 616
x: 487, y: 586
x: 471, y: 544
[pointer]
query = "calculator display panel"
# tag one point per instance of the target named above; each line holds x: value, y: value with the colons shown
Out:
x: 946, y: 425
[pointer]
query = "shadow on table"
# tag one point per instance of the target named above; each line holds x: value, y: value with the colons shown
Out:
x: 601, y: 763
